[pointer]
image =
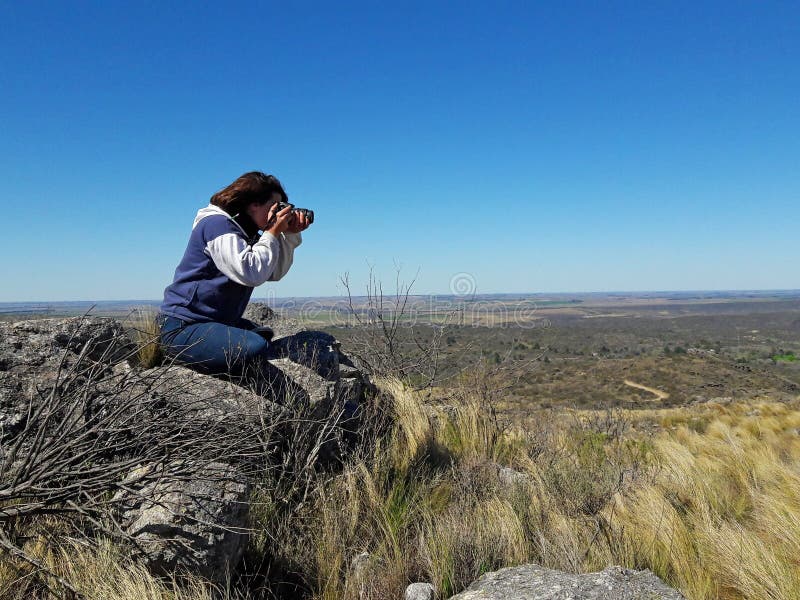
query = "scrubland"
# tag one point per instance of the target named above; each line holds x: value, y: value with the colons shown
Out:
x: 707, y: 497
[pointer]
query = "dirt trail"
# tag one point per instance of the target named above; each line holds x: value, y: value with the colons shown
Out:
x: 658, y: 393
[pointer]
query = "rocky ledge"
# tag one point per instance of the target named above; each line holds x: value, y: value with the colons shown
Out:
x: 69, y: 378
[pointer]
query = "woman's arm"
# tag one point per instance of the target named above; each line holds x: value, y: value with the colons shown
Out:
x: 269, y: 259
x: 243, y: 263
x: 288, y: 242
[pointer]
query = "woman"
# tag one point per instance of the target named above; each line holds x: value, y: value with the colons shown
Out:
x: 201, y: 316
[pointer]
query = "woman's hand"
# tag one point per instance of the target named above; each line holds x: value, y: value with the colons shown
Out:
x: 298, y: 224
x: 280, y: 221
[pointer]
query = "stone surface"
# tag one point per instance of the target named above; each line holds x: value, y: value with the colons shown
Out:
x: 532, y: 582
x: 419, y: 591
x: 361, y: 565
x: 197, y: 524
x: 100, y: 338
x: 33, y: 352
x: 209, y: 398
x: 259, y: 313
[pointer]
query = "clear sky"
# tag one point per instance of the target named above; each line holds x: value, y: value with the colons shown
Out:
x: 535, y: 146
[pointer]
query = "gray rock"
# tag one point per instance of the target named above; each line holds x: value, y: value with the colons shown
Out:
x: 209, y: 398
x: 419, y: 591
x: 196, y: 521
x: 315, y: 363
x: 33, y: 353
x: 35, y: 341
x: 259, y: 313
x: 348, y: 372
x: 509, y: 477
x: 196, y: 524
x: 532, y: 582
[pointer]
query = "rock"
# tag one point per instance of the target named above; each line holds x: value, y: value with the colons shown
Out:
x: 532, y: 582
x: 315, y: 363
x: 196, y: 520
x: 34, y: 353
x: 419, y: 591
x: 209, y: 398
x: 348, y: 372
x: 259, y: 313
x: 509, y: 477
x: 32, y: 342
x: 196, y: 524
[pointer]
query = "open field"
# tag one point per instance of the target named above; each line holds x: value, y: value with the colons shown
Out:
x: 588, y: 354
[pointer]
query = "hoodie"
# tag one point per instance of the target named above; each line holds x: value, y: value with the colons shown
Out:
x: 222, y: 265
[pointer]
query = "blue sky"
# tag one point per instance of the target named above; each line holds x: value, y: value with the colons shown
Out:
x: 549, y: 146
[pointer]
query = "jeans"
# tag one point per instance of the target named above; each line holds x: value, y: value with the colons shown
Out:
x: 228, y: 352
x: 213, y: 348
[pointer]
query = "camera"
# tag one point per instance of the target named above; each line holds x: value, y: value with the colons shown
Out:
x: 309, y: 214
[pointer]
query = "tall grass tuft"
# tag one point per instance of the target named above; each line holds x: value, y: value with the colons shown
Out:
x: 102, y: 571
x: 437, y: 500
x: 146, y: 336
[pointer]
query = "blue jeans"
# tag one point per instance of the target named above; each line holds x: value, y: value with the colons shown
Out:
x: 213, y: 348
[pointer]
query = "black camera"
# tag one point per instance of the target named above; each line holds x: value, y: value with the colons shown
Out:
x: 307, y: 212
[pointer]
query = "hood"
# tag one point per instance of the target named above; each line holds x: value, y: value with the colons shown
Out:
x: 208, y: 211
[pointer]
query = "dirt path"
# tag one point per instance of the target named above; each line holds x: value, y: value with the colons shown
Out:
x: 659, y: 394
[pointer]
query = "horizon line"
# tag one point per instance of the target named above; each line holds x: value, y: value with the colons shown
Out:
x: 451, y: 294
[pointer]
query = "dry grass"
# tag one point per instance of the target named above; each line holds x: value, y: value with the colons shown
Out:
x: 100, y: 572
x: 146, y: 336
x: 721, y: 520
x: 711, y: 504
x: 430, y: 502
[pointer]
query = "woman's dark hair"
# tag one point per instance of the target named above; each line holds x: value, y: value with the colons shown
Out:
x: 254, y: 186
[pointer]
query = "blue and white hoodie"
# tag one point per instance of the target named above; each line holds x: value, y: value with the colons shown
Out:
x: 222, y: 265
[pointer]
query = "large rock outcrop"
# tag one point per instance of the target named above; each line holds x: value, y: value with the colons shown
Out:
x: 532, y: 582
x: 179, y: 516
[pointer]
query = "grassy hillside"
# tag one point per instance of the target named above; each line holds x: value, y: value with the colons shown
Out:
x: 707, y: 497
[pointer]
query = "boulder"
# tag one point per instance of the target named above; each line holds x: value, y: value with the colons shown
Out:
x: 197, y: 524
x: 532, y: 582
x: 208, y: 398
x: 37, y: 340
x: 259, y: 313
x: 184, y: 518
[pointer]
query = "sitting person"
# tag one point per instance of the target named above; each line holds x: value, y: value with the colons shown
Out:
x: 239, y: 241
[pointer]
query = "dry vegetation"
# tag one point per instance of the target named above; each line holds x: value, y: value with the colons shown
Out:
x: 145, y: 332
x: 711, y: 504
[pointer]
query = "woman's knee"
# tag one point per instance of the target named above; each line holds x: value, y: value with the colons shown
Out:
x: 248, y: 347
